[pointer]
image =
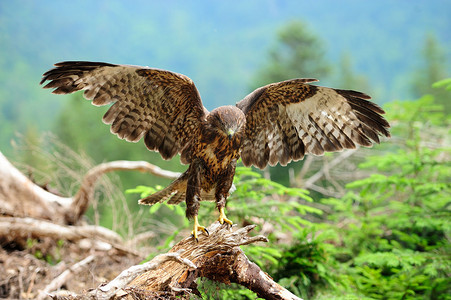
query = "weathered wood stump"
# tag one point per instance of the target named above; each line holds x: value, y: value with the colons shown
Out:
x: 217, y: 257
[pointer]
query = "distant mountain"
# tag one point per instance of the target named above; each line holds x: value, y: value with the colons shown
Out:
x: 219, y: 44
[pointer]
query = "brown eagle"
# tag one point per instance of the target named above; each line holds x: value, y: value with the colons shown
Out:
x: 276, y: 123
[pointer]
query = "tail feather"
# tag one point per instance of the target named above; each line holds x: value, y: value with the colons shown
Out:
x: 176, y: 190
x: 177, y: 198
x: 176, y: 193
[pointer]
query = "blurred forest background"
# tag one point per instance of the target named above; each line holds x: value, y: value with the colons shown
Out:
x: 375, y: 225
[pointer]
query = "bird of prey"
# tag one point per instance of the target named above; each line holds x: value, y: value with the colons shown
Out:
x: 276, y: 123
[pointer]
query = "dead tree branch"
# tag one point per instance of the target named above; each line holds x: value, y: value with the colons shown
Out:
x: 59, y: 281
x: 116, y: 286
x: 19, y: 230
x: 81, y: 200
x: 23, y: 228
x: 323, y: 172
x: 20, y: 197
x: 340, y: 158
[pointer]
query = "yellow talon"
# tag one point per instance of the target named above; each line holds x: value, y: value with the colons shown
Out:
x: 198, y: 227
x: 222, y: 217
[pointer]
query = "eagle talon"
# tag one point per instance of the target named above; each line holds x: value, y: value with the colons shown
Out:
x: 222, y: 217
x: 196, y: 228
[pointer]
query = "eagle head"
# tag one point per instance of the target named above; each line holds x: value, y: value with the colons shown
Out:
x: 227, y: 121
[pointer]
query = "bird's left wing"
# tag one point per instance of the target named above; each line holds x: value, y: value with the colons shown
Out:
x: 288, y: 119
x: 163, y: 107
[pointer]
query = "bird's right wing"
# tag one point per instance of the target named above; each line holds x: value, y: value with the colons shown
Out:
x: 163, y: 107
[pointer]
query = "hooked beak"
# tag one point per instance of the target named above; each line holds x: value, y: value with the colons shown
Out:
x: 230, y: 133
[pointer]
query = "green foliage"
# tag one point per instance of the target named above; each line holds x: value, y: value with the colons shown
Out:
x: 263, y: 198
x: 216, y: 37
x: 305, y: 266
x: 212, y: 291
x: 397, y: 222
x: 446, y: 83
x: 52, y: 258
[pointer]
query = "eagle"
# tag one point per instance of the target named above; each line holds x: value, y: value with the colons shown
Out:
x: 277, y: 123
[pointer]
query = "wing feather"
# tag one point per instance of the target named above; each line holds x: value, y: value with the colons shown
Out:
x: 288, y: 119
x: 163, y: 107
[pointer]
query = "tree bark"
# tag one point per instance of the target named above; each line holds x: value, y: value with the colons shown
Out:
x: 217, y: 257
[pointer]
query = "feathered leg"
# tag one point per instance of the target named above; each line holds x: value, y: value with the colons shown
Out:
x: 222, y: 192
x: 193, y: 198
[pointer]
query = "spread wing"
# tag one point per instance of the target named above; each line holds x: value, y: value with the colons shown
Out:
x: 286, y: 120
x: 163, y: 107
